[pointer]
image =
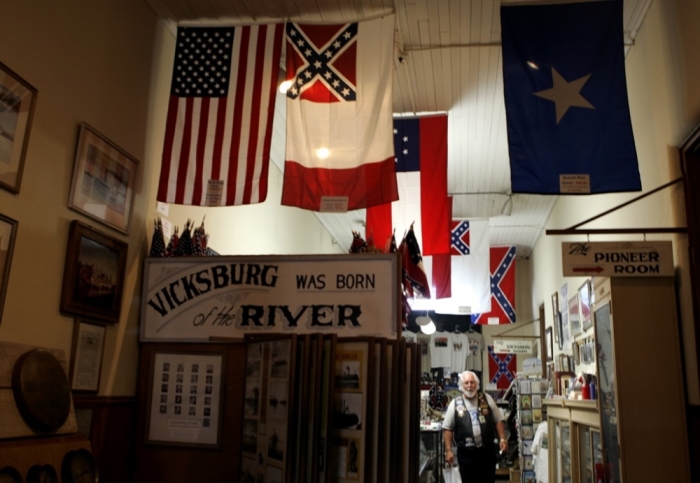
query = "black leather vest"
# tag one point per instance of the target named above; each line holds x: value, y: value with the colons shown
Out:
x: 463, y: 422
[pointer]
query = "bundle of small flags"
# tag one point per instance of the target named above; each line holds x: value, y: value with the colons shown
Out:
x: 359, y: 245
x: 187, y: 244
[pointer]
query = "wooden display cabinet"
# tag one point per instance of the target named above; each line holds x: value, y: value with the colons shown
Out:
x: 640, y: 380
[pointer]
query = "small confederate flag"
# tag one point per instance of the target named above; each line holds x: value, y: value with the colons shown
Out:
x: 502, y: 288
x: 502, y: 368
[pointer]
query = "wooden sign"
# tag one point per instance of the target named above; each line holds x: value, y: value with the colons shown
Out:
x: 617, y: 259
x: 195, y: 298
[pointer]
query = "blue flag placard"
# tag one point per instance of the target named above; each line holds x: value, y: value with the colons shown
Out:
x: 569, y: 127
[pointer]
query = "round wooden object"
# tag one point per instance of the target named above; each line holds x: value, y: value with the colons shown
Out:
x: 41, y: 390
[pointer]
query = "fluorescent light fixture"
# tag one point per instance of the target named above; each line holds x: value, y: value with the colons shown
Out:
x: 423, y: 320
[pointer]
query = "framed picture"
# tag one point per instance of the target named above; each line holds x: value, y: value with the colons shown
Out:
x: 104, y: 180
x: 17, y: 101
x: 8, y: 233
x: 555, y: 313
x: 93, y: 274
x: 86, y: 356
x: 574, y: 316
x: 550, y: 344
x: 188, y: 413
x: 584, y: 300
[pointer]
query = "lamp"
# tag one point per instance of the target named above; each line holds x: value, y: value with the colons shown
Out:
x: 507, y: 208
x: 428, y: 328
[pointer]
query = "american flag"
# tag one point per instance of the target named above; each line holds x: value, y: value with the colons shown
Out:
x: 157, y: 242
x: 219, y: 125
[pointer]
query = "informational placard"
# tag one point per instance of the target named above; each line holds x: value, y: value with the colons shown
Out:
x: 513, y: 346
x: 195, y: 298
x: 617, y: 259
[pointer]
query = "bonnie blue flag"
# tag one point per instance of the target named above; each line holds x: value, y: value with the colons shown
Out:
x: 569, y: 127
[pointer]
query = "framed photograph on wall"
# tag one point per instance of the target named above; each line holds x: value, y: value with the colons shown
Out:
x: 17, y: 102
x: 584, y: 300
x: 86, y: 356
x: 550, y: 344
x: 8, y: 234
x: 93, y: 274
x: 574, y: 316
x: 104, y: 180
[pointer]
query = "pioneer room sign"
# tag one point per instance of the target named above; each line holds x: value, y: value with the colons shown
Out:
x: 617, y: 259
x: 195, y: 298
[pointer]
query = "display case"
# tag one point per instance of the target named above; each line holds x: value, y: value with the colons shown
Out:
x: 572, y: 426
x: 640, y: 381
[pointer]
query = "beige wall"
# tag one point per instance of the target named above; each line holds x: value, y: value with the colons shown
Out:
x: 664, y: 104
x: 107, y: 63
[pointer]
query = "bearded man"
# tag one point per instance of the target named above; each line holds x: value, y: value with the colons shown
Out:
x: 472, y: 421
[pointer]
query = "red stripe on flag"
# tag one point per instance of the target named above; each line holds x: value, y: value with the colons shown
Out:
x: 183, y: 165
x: 201, y: 144
x: 237, y: 117
x: 254, y: 115
x: 367, y: 185
x: 378, y: 224
x: 442, y: 276
x: 435, y: 218
x: 219, y: 138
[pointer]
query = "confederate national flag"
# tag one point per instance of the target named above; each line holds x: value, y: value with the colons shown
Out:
x: 502, y: 368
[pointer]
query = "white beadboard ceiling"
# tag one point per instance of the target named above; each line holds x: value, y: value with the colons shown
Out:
x: 448, y: 59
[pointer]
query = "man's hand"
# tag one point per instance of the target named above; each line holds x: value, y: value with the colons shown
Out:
x: 450, y: 457
x: 503, y: 444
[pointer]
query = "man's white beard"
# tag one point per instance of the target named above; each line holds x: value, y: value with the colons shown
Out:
x: 471, y: 393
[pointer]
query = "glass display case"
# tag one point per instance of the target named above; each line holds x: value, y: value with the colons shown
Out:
x: 590, y: 448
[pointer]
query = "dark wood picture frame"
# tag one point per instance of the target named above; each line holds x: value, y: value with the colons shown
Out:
x: 15, y: 124
x: 550, y: 344
x: 86, y: 356
x: 8, y: 235
x: 93, y: 275
x: 200, y: 369
x: 104, y: 180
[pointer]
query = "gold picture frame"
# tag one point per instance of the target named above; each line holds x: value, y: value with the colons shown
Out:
x: 104, y: 180
x: 17, y: 103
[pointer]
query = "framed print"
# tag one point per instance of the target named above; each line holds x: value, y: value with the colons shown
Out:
x: 86, y: 356
x: 187, y: 413
x: 8, y: 233
x: 17, y: 101
x: 584, y: 300
x: 104, y: 180
x: 93, y: 274
x: 550, y: 344
x: 555, y: 312
x: 574, y: 316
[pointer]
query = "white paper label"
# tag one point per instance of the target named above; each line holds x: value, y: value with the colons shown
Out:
x: 334, y: 204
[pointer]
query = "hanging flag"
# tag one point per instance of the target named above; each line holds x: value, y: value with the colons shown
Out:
x: 414, y: 277
x: 339, y: 153
x: 567, y: 113
x: 502, y: 288
x: 502, y: 368
x: 219, y: 124
x: 461, y: 278
x: 420, y: 150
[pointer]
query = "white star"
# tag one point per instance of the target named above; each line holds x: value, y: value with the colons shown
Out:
x: 405, y: 139
x: 335, y: 83
x: 565, y: 94
x: 317, y: 64
x: 346, y: 92
x: 405, y: 151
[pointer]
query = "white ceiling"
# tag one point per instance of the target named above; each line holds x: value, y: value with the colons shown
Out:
x: 448, y: 59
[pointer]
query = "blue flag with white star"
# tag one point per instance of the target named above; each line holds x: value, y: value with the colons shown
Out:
x: 569, y: 127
